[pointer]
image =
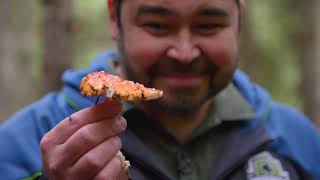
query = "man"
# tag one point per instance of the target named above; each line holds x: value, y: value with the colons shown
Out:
x: 212, y: 122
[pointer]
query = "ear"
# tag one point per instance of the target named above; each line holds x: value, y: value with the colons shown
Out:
x: 242, y: 5
x: 113, y: 28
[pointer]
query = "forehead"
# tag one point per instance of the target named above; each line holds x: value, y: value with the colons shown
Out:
x: 182, y: 6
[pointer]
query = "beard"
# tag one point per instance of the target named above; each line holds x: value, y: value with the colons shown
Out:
x: 179, y: 102
x: 182, y: 102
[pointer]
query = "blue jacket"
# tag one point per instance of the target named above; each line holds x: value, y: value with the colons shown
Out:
x: 290, y: 133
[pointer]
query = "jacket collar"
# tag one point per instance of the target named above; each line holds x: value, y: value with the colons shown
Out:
x: 137, y: 152
x: 230, y: 157
x: 231, y: 106
x: 251, y: 141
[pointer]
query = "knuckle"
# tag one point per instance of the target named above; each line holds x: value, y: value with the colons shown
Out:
x: 53, y: 168
x: 118, y: 162
x: 86, y: 137
x: 45, y: 143
x: 111, y: 173
x: 116, y: 143
x: 104, y: 176
x: 123, y: 124
x: 119, y: 125
x: 92, y: 162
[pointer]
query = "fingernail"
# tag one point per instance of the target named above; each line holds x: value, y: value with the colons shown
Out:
x: 118, y: 142
x: 120, y: 124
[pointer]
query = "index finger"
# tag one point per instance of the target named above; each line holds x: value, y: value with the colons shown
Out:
x: 107, y: 110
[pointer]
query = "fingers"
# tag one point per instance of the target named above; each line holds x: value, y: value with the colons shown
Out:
x: 90, y: 136
x: 96, y: 159
x: 113, y: 171
x: 84, y: 144
x: 106, y: 110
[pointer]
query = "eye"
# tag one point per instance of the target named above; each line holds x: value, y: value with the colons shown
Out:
x: 157, y: 28
x: 208, y: 28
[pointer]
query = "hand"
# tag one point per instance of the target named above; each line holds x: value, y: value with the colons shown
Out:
x: 85, y: 145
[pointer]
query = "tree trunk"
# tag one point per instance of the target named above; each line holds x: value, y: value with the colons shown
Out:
x: 248, y: 54
x: 15, y: 55
x: 58, y: 47
x: 5, y: 54
x: 310, y: 63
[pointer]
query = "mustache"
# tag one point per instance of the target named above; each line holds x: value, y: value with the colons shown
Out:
x: 169, y: 66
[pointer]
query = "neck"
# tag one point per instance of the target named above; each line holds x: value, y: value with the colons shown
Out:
x: 181, y: 127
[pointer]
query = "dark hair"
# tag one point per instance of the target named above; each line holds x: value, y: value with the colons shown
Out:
x: 117, y: 5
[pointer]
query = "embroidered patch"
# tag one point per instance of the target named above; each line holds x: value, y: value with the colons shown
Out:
x: 264, y: 166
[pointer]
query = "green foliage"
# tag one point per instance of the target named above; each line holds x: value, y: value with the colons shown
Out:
x: 275, y: 27
x: 91, y: 30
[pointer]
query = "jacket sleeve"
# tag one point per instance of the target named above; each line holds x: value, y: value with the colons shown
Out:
x: 295, y: 138
x: 20, y: 136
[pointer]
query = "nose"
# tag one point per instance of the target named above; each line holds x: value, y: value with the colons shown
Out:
x: 183, y: 48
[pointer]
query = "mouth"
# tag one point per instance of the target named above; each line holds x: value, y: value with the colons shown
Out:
x: 172, y: 74
x: 183, y: 80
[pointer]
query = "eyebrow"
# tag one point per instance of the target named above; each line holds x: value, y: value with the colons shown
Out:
x: 164, y: 11
x: 213, y: 11
x: 153, y: 10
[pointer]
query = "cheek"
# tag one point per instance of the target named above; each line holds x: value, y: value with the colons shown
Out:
x: 222, y: 51
x: 142, y: 50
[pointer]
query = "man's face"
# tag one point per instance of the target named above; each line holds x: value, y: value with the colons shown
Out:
x: 186, y: 48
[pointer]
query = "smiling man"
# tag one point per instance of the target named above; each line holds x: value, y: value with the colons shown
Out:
x: 212, y: 122
x: 188, y: 50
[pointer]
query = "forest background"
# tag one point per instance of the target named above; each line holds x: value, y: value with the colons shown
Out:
x: 40, y: 39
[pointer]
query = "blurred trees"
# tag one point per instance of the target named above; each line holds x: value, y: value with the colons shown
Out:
x: 278, y: 47
x: 16, y: 38
x: 58, y: 42
x: 310, y: 58
x: 279, y: 51
x: 270, y: 48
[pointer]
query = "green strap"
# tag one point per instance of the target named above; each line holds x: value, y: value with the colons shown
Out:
x: 267, y: 112
x: 71, y: 103
x: 34, y: 176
